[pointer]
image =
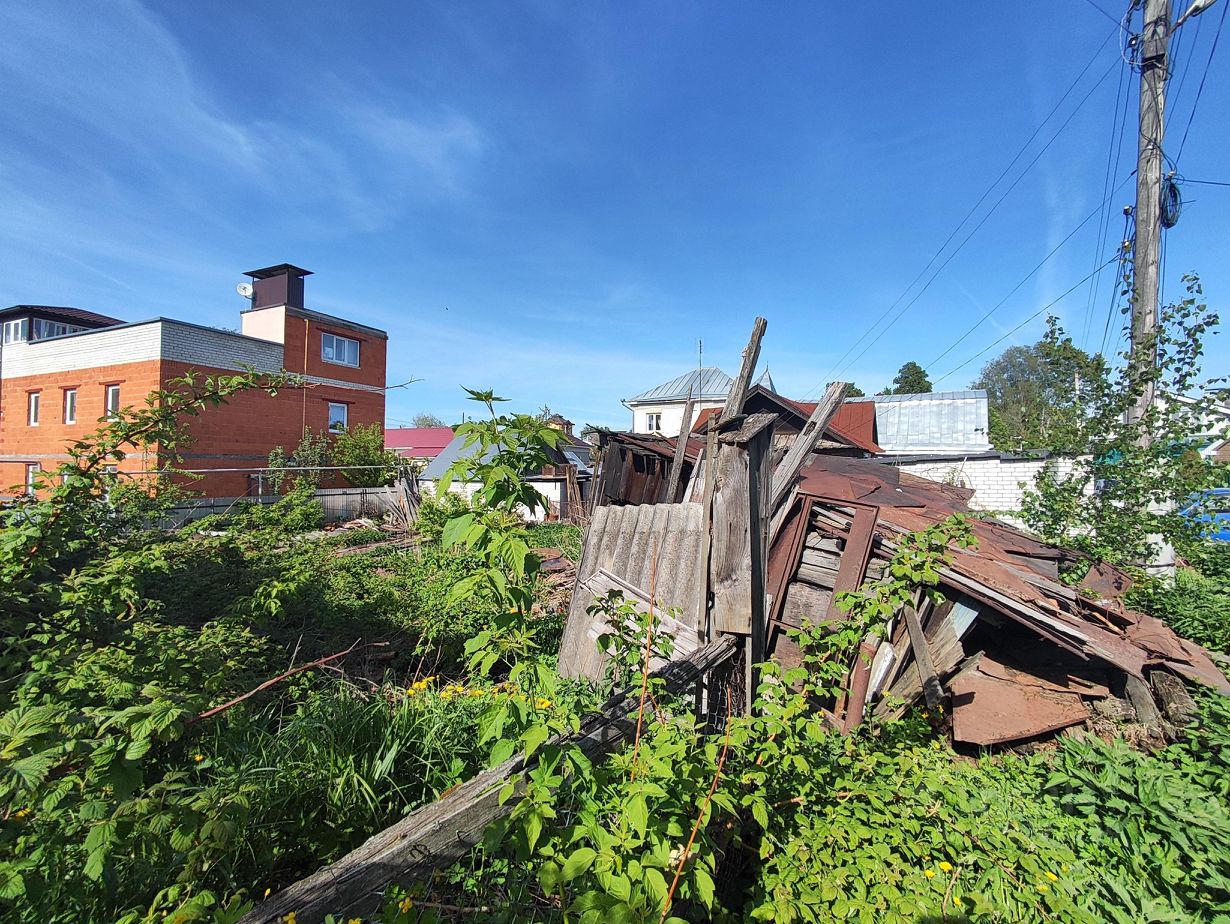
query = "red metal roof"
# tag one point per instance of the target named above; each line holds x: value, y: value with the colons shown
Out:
x: 418, y: 442
x: 854, y: 423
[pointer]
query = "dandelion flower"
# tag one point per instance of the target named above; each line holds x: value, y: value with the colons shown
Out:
x: 198, y: 757
x: 1044, y: 888
x: 1052, y: 877
x: 543, y: 703
x: 22, y: 813
x: 929, y: 873
x: 946, y: 866
x: 405, y: 905
x: 355, y: 921
x: 289, y: 917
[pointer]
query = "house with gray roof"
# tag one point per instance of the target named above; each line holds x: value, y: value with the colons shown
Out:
x: 660, y: 409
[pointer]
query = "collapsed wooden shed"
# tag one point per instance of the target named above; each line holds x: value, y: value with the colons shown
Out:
x: 766, y: 543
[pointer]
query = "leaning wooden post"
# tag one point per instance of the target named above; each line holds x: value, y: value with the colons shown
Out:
x: 681, y: 451
x: 805, y: 442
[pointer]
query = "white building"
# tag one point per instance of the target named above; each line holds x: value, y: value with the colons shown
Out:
x: 660, y: 410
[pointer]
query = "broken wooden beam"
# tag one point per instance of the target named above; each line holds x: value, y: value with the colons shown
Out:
x: 805, y: 442
x: 442, y: 832
x: 681, y: 449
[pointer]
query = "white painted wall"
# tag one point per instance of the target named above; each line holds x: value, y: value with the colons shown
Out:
x: 551, y: 489
x: 998, y: 484
x: 672, y: 415
x: 139, y: 342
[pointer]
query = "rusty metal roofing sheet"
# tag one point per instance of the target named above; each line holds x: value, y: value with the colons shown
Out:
x: 1006, y: 705
x: 655, y: 547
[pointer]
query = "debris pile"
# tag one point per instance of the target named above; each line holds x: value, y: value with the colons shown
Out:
x: 1012, y: 656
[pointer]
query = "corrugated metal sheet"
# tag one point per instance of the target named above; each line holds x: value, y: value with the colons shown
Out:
x: 709, y: 382
x: 655, y: 547
x: 944, y: 421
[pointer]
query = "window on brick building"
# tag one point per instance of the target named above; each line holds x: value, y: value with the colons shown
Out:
x: 32, y: 472
x: 340, y: 350
x: 111, y: 402
x: 70, y: 405
x: 17, y: 331
x: 33, y: 402
x: 338, y: 414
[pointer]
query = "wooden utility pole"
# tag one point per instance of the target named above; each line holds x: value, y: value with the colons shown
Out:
x: 1154, y: 62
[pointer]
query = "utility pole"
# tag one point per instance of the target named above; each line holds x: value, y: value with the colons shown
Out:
x: 1154, y: 62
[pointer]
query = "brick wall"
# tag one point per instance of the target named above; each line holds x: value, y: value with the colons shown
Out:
x: 143, y: 357
x: 998, y: 483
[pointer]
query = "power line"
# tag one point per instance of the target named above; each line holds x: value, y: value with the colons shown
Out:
x: 1117, y: 125
x: 1098, y: 210
x: 1044, y: 308
x: 956, y: 230
x: 1103, y: 12
x: 1182, y: 180
x: 974, y: 230
x: 1129, y: 234
x: 1200, y: 89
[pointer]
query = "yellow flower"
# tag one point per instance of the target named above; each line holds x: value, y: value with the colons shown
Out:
x: 946, y: 866
x: 1064, y: 868
x: 543, y: 703
x: 1044, y: 888
x: 476, y: 692
x: 289, y: 918
x: 268, y: 892
x: 405, y: 905
x: 1052, y: 877
x: 355, y: 921
x: 22, y: 813
x: 411, y: 692
x: 929, y: 873
x: 198, y: 757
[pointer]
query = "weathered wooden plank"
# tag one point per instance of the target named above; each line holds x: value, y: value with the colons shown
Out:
x: 805, y: 442
x: 603, y: 582
x: 759, y: 467
x: 743, y: 381
x: 437, y: 835
x: 681, y: 448
x: 922, y: 659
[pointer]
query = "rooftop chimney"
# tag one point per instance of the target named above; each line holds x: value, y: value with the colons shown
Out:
x: 279, y: 285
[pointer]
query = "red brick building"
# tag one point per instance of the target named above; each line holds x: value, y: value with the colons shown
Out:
x: 63, y: 369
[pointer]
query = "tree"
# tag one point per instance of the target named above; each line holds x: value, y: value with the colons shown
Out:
x: 427, y: 420
x: 363, y: 447
x: 853, y: 391
x: 911, y: 380
x: 1038, y: 394
x: 1122, y: 496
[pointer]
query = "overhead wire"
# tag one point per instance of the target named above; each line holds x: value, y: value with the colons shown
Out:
x: 1033, y: 316
x: 1129, y: 236
x: 1098, y: 210
x: 1203, y: 77
x: 837, y: 366
x: 1113, y: 153
x: 976, y: 227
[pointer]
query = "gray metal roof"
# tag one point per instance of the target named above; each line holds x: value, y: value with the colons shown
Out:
x: 709, y: 382
x: 457, y: 449
x: 939, y: 422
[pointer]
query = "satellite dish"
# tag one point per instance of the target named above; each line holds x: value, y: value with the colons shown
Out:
x: 244, y: 289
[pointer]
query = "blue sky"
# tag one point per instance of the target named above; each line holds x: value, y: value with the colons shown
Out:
x: 558, y: 199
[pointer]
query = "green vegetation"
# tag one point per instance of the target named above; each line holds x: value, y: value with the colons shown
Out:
x: 168, y: 751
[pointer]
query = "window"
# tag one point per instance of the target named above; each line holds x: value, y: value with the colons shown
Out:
x: 111, y: 402
x: 70, y: 405
x: 33, y: 400
x: 337, y: 417
x: 44, y: 328
x: 653, y: 423
x: 17, y: 331
x: 340, y: 350
x: 33, y: 470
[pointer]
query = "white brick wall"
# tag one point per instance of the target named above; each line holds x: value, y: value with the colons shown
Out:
x: 223, y: 349
x: 146, y: 340
x: 130, y: 343
x: 998, y: 483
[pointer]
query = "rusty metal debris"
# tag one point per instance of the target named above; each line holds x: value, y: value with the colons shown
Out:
x: 1011, y: 656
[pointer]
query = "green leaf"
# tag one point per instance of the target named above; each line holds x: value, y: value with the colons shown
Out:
x: 503, y: 750
x: 578, y: 862
x: 533, y: 738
